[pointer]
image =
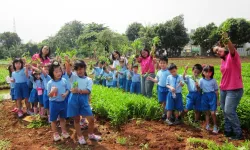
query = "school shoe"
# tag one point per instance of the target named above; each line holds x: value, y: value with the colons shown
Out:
x: 208, y: 127
x: 30, y: 112
x: 14, y: 110
x: 65, y: 135
x: 167, y: 121
x: 177, y: 121
x: 164, y: 117
x: 20, y: 114
x: 228, y: 134
x: 95, y: 137
x: 215, y: 130
x: 81, y: 140
x: 56, y: 137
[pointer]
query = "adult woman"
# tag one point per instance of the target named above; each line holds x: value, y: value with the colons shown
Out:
x: 147, y: 69
x: 116, y: 56
x: 231, y: 88
x: 43, y: 55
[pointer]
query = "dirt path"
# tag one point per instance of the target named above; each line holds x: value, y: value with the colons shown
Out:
x: 138, y: 134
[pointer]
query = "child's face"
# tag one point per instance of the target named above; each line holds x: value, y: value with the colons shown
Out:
x: 11, y: 69
x: 46, y: 69
x: 135, y: 69
x: 38, y: 76
x: 81, y: 71
x: 207, y: 74
x: 57, y: 73
x: 129, y: 67
x: 144, y: 54
x: 173, y: 72
x: 45, y: 50
x: 99, y: 65
x: 18, y: 65
x: 163, y: 65
x: 121, y: 63
x: 196, y: 72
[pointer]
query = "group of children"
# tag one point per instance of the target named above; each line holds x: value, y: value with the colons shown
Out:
x: 56, y: 91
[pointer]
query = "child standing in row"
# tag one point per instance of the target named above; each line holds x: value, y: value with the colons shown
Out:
x: 210, y: 96
x: 128, y: 77
x: 46, y: 78
x: 174, y: 83
x: 108, y: 75
x: 136, y: 81
x: 193, y: 100
x: 161, y: 79
x: 122, y: 74
x: 12, y: 86
x: 78, y: 104
x: 97, y: 73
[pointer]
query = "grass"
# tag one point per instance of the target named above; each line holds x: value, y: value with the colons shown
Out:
x: 4, y: 144
x: 3, y: 74
x: 121, y: 140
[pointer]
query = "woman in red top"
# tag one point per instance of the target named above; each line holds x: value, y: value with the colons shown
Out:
x: 231, y: 88
x: 43, y: 55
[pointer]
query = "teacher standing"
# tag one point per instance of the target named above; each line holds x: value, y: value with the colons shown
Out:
x: 231, y: 88
x: 43, y: 55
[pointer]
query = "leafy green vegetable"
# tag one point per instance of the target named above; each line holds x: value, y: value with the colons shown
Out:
x: 75, y: 84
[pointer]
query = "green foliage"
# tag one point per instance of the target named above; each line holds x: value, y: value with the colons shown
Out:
x: 37, y: 123
x: 137, y: 45
x: 4, y: 144
x: 121, y: 140
x: 8, y: 39
x: 119, y: 107
x: 132, y: 31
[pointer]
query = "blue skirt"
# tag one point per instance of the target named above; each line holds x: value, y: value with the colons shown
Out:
x: 194, y: 101
x: 128, y: 85
x: 104, y: 82
x: 114, y: 84
x: 135, y: 87
x: 209, y: 101
x: 57, y: 109
x: 34, y: 97
x: 12, y: 94
x: 78, y: 105
x: 45, y: 99
x: 21, y: 90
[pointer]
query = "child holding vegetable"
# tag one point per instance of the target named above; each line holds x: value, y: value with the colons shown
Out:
x: 97, y: 73
x: 121, y: 71
x: 78, y: 104
x: 128, y: 77
x: 193, y: 100
x: 209, y: 99
x: 136, y: 81
x: 58, y: 89
x: 174, y: 83
x: 108, y: 76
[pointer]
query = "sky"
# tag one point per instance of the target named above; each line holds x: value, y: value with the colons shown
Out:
x: 36, y: 20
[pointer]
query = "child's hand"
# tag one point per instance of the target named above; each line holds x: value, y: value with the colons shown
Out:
x: 64, y: 95
x: 74, y: 90
x: 27, y: 65
x: 172, y: 89
x: 218, y: 103
x: 186, y: 67
x: 180, y: 84
x: 149, y: 78
x: 54, y: 89
x: 12, y: 80
x: 66, y: 58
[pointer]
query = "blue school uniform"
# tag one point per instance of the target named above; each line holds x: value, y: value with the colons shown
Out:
x: 128, y: 80
x: 174, y: 102
x: 209, y: 98
x: 46, y: 79
x: 122, y: 78
x: 34, y: 97
x: 29, y: 83
x: 109, y: 79
x: 97, y: 73
x: 57, y: 104
x: 78, y: 104
x: 103, y: 80
x: 21, y: 89
x: 114, y: 79
x: 12, y: 91
x: 193, y: 100
x: 136, y: 83
x: 162, y: 90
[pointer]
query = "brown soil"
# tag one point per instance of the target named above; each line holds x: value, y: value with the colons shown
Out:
x: 139, y: 134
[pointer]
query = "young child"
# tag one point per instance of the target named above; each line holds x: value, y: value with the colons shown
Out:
x: 36, y: 95
x: 128, y: 77
x: 57, y: 89
x: 136, y: 81
x: 115, y: 75
x: 161, y: 79
x: 97, y: 73
x: 12, y: 85
x: 78, y: 104
x: 21, y: 90
x: 103, y: 80
x: 108, y: 75
x: 193, y: 100
x: 209, y: 98
x: 122, y: 74
x: 174, y: 83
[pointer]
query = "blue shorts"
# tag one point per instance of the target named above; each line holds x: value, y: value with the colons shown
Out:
x: 34, y: 97
x: 12, y: 94
x: 104, y: 82
x: 21, y: 90
x: 162, y: 93
x: 78, y: 105
x: 122, y: 83
x: 194, y: 101
x: 114, y: 84
x: 57, y: 109
x: 135, y: 87
x: 128, y: 85
x: 45, y: 100
x: 209, y: 101
x: 174, y: 103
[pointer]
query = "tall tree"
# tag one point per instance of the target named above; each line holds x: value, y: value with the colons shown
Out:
x: 9, y: 39
x: 132, y: 31
x: 147, y: 34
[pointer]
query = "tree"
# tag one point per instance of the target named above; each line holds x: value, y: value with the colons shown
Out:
x: 9, y: 39
x: 238, y: 30
x: 132, y: 31
x: 147, y: 33
x: 206, y: 37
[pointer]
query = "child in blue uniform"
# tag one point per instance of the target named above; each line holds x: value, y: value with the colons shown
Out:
x: 108, y: 75
x: 103, y: 80
x: 128, y: 78
x: 174, y: 83
x: 12, y: 86
x: 97, y: 73
x: 115, y: 75
x: 136, y: 81
x: 193, y: 100
x: 78, y: 104
x: 122, y: 74
x: 58, y: 90
x: 209, y: 98
x: 21, y: 89
x: 161, y: 79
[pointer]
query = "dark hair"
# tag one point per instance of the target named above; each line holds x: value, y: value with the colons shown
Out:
x: 117, y: 52
x: 164, y: 58
x: 41, y: 53
x: 55, y: 64
x: 79, y: 64
x: 208, y: 68
x: 172, y: 66
x: 9, y: 69
x: 104, y: 68
x: 34, y: 76
x: 16, y: 60
x: 103, y: 62
x: 198, y: 67
x: 145, y: 49
x: 135, y: 66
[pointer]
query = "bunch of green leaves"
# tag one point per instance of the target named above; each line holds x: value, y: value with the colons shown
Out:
x: 75, y: 84
x: 37, y: 123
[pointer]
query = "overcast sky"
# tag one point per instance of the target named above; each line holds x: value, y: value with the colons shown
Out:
x: 35, y: 20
